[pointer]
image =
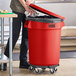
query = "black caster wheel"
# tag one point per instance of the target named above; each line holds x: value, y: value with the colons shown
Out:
x: 55, y: 69
x: 43, y: 69
x: 31, y: 68
x: 37, y: 70
x: 52, y: 71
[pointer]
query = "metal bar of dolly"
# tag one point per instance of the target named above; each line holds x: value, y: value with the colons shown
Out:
x: 10, y: 46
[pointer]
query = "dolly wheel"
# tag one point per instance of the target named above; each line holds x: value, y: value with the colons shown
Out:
x: 37, y: 70
x: 52, y: 71
x: 31, y: 68
x: 55, y: 69
x: 43, y: 69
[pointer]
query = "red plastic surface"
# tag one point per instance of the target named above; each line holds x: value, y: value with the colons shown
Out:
x: 44, y: 43
x: 41, y: 25
x: 45, y: 11
x: 44, y: 40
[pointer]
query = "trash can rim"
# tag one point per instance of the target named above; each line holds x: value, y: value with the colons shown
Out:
x: 45, y: 20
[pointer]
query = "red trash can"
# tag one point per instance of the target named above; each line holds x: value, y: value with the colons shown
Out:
x: 44, y: 34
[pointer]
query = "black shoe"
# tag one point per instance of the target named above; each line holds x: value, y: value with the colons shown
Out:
x: 24, y: 65
x: 4, y: 68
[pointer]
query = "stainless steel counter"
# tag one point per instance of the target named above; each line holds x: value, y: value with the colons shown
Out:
x: 55, y: 2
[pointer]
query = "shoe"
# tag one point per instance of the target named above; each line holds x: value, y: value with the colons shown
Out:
x: 24, y: 65
x: 0, y: 67
x: 4, y: 68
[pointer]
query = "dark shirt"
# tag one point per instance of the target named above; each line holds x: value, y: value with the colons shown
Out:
x: 17, y: 6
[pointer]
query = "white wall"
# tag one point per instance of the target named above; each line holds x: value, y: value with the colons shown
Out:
x: 4, y: 4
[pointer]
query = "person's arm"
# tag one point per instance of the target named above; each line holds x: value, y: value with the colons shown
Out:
x: 26, y: 6
x: 29, y: 1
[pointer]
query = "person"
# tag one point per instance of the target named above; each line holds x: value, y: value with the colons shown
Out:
x: 19, y: 7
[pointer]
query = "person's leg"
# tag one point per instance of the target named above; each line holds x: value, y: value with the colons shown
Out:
x: 16, y: 31
x: 24, y: 46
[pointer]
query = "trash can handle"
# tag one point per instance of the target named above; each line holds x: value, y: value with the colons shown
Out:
x: 26, y: 24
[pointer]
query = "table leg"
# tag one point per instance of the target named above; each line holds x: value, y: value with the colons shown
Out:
x: 10, y: 46
x: 2, y: 36
x: 2, y: 31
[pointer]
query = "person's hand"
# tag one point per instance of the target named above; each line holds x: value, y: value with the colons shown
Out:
x: 28, y: 2
x: 30, y: 10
